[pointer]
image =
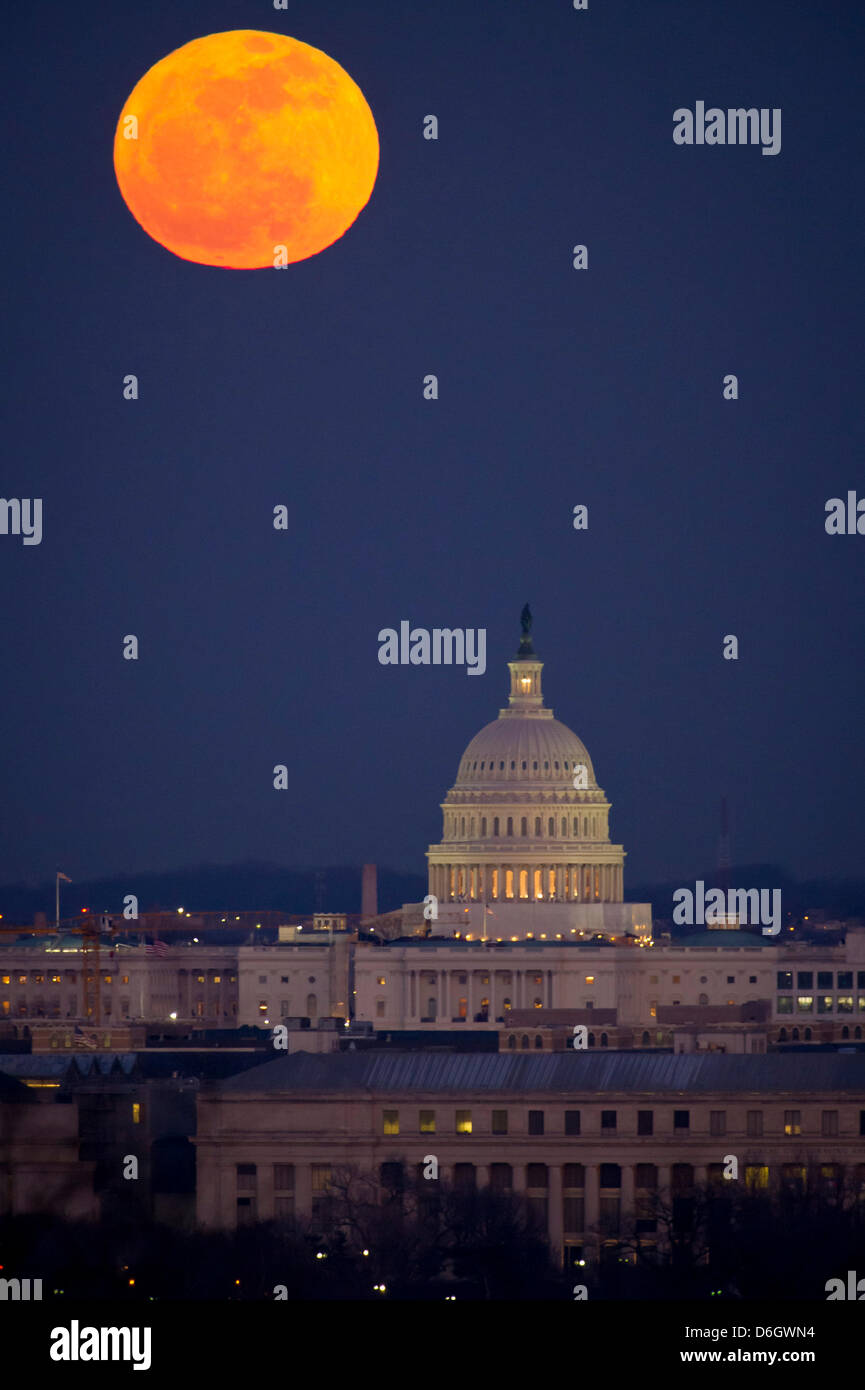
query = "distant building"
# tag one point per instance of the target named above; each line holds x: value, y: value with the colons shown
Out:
x: 590, y: 1141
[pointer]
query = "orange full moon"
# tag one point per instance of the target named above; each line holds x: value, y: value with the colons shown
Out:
x: 246, y: 150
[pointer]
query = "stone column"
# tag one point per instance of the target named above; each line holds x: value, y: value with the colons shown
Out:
x: 555, y: 1210
x: 627, y: 1193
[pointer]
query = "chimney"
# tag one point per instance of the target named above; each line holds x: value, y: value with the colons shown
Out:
x: 369, y: 891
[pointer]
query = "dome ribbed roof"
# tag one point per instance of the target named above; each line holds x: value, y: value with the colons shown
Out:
x: 529, y: 751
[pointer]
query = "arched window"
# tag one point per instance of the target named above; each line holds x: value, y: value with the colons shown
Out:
x: 495, y: 826
x: 845, y: 1032
x: 603, y: 1040
x: 537, y: 825
x: 564, y: 826
x: 463, y: 826
x: 524, y: 826
x: 795, y: 1034
x: 524, y: 1040
x: 551, y: 826
x: 510, y: 825
x: 576, y: 825
x: 704, y: 999
x: 807, y: 1034
x: 472, y: 829
x: 483, y: 827
x: 539, y: 1042
x: 591, y: 1040
x: 512, y: 1042
x: 311, y: 1006
x: 645, y: 1040
x: 857, y: 1033
x: 782, y: 1036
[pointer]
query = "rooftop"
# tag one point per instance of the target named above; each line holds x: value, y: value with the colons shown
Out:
x: 569, y: 1072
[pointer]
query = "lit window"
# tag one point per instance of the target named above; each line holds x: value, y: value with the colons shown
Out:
x: 792, y: 1122
x: 756, y: 1176
x: 391, y: 1122
x: 464, y: 1121
x: 136, y: 1113
x: 380, y: 980
x: 217, y: 979
x: 805, y: 1003
x: 427, y: 1122
x: 590, y: 979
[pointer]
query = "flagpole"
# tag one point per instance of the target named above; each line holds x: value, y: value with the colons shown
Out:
x: 57, y: 878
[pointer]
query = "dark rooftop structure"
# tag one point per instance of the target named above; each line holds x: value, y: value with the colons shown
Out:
x: 556, y: 1071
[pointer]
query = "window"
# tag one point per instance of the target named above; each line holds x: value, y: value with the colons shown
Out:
x: 784, y: 979
x: 756, y: 1176
x: 283, y: 1177
x: 731, y: 979
x: 320, y: 1177
x: 845, y: 1003
x: 380, y: 980
x: 645, y: 1121
x: 574, y: 1214
x: 464, y: 1175
x: 246, y: 1177
x: 427, y: 1121
x: 501, y: 1177
x: 536, y: 1122
x: 805, y: 979
x: 681, y: 1119
x: 500, y: 1122
x: 608, y: 1119
x: 785, y: 1003
x: 752, y: 979
x: 845, y: 979
x: 825, y: 980
x: 390, y: 1122
x: 572, y: 1121
x: 717, y: 1122
x: 830, y: 1122
x: 464, y: 1122
x: 379, y: 1008
x: 392, y: 1176
x: 754, y: 1124
x: 646, y: 1176
x: 805, y: 1003
x: 792, y: 1122
x: 245, y: 1211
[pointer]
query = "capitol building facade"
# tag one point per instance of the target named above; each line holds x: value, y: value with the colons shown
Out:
x: 526, y: 849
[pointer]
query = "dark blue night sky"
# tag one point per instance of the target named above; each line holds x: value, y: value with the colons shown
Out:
x: 557, y: 387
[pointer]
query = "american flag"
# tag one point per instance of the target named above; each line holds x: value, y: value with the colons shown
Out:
x: 158, y: 948
x: 83, y: 1039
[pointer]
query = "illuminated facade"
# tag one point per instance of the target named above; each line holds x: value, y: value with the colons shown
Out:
x: 526, y: 843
